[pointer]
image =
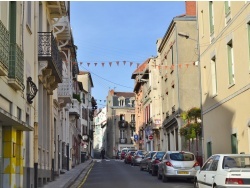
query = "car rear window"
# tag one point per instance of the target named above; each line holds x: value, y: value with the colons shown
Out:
x: 236, y: 162
x: 182, y: 156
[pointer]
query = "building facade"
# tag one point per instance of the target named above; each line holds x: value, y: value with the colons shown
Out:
x: 224, y: 61
x: 120, y: 128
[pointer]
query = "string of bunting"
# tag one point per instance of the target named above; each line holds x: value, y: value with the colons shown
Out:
x: 172, y: 67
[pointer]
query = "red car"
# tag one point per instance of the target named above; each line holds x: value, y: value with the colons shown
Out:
x: 128, y: 157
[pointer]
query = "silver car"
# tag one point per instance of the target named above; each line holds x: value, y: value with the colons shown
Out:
x: 178, y: 164
x: 137, y: 157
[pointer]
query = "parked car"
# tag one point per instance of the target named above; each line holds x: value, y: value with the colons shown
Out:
x: 144, y: 162
x: 137, y: 157
x: 224, y: 170
x: 178, y: 164
x: 153, y: 164
x: 128, y: 156
x: 124, y: 151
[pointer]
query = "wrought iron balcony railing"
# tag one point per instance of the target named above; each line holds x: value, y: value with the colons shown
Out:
x: 16, y: 67
x: 4, y: 50
x: 65, y: 91
x: 123, y: 124
x: 123, y: 140
x: 48, y: 50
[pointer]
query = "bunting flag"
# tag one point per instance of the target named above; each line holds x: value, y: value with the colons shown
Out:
x: 131, y: 63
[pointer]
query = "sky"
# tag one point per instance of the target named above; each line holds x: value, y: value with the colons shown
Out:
x: 114, y: 37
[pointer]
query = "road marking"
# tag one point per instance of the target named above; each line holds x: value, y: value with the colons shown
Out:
x: 79, y: 186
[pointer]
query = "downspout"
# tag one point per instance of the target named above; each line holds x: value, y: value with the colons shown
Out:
x: 36, y: 99
x: 178, y: 90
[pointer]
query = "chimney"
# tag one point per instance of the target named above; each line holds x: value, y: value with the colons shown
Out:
x: 190, y: 8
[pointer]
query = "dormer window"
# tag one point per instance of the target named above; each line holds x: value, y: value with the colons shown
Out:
x: 121, y: 101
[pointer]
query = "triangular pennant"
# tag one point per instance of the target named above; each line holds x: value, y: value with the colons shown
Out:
x: 110, y: 63
x: 124, y: 62
x: 95, y: 64
x: 88, y: 64
x: 187, y: 65
x: 117, y: 62
x: 103, y: 64
x: 80, y: 63
x: 172, y: 67
x: 179, y: 65
x: 138, y: 65
x: 131, y: 63
x: 166, y: 67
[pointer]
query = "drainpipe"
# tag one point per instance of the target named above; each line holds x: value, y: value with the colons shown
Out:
x: 36, y: 100
x: 178, y: 90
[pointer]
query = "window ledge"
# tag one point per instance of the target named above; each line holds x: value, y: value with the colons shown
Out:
x: 231, y: 85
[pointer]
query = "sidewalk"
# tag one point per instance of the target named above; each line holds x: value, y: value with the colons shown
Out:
x: 67, y: 179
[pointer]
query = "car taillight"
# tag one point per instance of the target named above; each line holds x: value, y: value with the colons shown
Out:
x: 196, y: 164
x: 156, y: 161
x: 234, y: 181
x: 168, y: 163
x: 136, y: 157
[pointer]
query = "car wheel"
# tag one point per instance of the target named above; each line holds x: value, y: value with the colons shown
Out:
x: 154, y: 173
x: 196, y: 185
x: 164, y: 178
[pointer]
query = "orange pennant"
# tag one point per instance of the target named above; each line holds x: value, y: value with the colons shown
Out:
x: 179, y: 65
x: 187, y: 65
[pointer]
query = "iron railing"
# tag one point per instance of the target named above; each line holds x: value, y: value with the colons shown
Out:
x: 48, y: 50
x: 4, y: 46
x: 16, y: 63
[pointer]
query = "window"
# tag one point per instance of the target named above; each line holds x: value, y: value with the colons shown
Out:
x: 234, y: 143
x: 19, y: 113
x: 209, y: 149
x: 206, y: 166
x: 211, y: 16
x: 122, y: 133
x: 227, y: 7
x: 214, y: 76
x: 122, y: 117
x: 83, y: 98
x: 29, y: 14
x: 132, y: 117
x: 230, y: 62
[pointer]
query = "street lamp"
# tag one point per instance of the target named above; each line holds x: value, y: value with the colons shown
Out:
x: 186, y: 35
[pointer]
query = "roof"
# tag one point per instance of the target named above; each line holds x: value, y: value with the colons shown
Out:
x: 124, y: 94
x: 141, y: 68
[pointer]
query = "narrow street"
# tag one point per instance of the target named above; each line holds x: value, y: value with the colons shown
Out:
x: 115, y: 173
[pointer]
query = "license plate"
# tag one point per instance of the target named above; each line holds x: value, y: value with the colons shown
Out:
x: 182, y: 172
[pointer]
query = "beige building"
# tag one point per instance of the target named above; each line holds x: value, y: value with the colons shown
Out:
x: 224, y: 28
x: 148, y: 104
x: 120, y: 128
x: 180, y: 88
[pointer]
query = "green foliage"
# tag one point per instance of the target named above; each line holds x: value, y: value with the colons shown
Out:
x: 192, y: 128
x: 76, y: 96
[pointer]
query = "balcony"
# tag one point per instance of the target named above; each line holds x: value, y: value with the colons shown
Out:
x: 123, y: 140
x: 48, y: 51
x: 75, y: 108
x: 4, y: 50
x: 132, y: 124
x: 65, y: 91
x: 16, y: 66
x: 123, y: 124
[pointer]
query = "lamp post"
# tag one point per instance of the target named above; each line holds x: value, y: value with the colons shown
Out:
x: 186, y: 35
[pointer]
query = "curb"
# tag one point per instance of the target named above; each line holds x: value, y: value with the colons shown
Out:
x: 73, y: 181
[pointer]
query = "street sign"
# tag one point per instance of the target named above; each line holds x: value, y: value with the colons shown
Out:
x: 136, y: 137
x: 150, y: 137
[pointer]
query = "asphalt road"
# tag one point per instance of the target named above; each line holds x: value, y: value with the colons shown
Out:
x: 116, y: 174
